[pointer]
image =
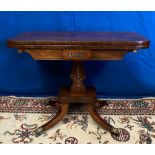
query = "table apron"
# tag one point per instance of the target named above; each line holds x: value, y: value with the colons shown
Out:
x: 42, y: 54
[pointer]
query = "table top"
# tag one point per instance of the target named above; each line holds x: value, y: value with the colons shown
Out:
x: 81, y: 40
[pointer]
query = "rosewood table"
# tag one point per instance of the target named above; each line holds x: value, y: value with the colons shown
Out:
x: 78, y: 47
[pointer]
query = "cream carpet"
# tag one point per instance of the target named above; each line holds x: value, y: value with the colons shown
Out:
x: 20, y: 116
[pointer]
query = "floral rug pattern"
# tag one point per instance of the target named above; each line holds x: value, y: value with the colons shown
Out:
x: 19, y: 117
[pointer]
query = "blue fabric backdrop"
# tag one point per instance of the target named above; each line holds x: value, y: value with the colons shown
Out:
x: 22, y: 76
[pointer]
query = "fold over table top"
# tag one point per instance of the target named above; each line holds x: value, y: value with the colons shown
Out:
x: 79, y: 40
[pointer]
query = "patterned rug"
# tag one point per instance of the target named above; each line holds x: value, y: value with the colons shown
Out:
x: 19, y: 117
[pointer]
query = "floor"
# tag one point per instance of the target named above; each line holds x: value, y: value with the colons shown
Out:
x: 19, y: 116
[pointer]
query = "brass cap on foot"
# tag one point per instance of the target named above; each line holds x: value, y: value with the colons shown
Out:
x: 115, y: 131
x: 39, y: 131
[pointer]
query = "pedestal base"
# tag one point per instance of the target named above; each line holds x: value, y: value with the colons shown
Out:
x: 78, y: 92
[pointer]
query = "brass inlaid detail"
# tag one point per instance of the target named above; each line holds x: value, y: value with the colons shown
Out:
x: 76, y: 54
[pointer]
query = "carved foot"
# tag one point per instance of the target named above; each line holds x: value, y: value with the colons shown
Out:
x: 62, y: 110
x: 97, y: 118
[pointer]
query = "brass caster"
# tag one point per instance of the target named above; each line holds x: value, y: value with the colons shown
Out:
x: 115, y: 131
x: 39, y: 131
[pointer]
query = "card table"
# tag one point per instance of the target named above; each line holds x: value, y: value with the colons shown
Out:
x: 78, y: 47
